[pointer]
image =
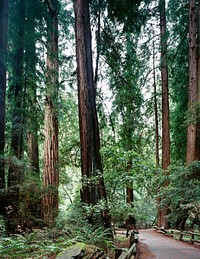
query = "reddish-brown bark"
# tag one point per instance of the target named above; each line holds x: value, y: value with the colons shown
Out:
x: 165, y: 105
x: 165, y: 94
x: 156, y: 126
x: 93, y: 189
x: 197, y: 153
x: 155, y: 106
x: 49, y: 208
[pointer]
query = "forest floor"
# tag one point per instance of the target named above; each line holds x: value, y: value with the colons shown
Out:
x: 153, y: 245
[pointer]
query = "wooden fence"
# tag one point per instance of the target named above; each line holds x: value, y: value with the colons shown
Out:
x: 131, y: 253
x: 183, y: 235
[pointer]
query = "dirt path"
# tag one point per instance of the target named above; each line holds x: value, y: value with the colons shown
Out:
x: 153, y: 245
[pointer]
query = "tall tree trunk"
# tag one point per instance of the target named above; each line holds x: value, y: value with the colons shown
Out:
x: 197, y: 156
x: 51, y: 171
x: 91, y: 166
x: 155, y: 106
x: 3, y: 56
x: 165, y: 104
x: 156, y: 128
x: 192, y: 94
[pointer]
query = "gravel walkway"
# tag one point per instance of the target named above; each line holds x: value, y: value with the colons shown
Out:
x: 153, y: 245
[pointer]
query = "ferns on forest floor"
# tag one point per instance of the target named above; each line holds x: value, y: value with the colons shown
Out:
x: 44, y: 243
x: 28, y: 246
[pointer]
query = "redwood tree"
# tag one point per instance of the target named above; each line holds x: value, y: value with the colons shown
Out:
x: 51, y: 172
x: 165, y: 105
x: 3, y: 54
x: 156, y: 124
x: 93, y: 189
x: 198, y: 85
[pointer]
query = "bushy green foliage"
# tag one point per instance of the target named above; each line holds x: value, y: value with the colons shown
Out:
x: 49, y: 242
x: 76, y: 225
x: 178, y: 77
x: 182, y: 194
x: 145, y: 209
x: 142, y: 175
x: 30, y: 199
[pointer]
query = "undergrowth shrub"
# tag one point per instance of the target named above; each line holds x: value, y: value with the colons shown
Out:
x: 76, y: 226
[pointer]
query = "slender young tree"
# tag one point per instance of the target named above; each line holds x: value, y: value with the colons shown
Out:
x: 128, y: 124
x: 165, y: 104
x: 155, y: 105
x: 124, y: 75
x: 93, y: 189
x: 51, y: 171
x: 124, y: 79
x: 3, y: 55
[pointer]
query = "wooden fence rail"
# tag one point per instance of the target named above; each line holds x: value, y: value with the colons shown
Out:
x: 129, y: 253
x: 132, y: 248
x: 182, y: 234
